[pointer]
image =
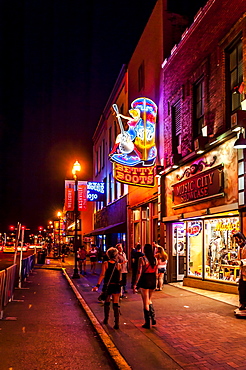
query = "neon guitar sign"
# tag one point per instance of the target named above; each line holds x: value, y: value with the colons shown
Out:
x: 135, y: 147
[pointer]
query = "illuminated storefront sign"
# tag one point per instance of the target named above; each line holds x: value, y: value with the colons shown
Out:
x: 194, y: 229
x: 206, y: 185
x: 87, y: 191
x: 140, y: 176
x: 135, y: 148
x: 95, y: 191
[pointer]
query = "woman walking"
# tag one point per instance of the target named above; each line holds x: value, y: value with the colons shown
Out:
x: 162, y: 258
x: 111, y: 273
x: 146, y: 282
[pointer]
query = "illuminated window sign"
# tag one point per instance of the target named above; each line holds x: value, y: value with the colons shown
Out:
x: 95, y: 191
x: 134, y: 152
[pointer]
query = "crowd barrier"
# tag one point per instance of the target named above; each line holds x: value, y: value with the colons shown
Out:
x: 9, y: 280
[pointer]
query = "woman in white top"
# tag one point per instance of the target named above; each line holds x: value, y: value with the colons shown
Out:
x: 162, y: 258
x: 123, y: 260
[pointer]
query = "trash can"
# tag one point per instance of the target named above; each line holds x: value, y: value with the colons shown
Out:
x: 41, y: 257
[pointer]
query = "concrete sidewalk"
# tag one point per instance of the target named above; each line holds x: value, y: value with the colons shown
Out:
x: 192, y: 332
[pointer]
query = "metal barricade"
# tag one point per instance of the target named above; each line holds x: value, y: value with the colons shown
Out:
x: 2, y: 285
x: 9, y: 285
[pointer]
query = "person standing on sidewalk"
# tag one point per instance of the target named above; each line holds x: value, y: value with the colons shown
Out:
x: 146, y: 282
x: 162, y: 258
x: 241, y: 242
x: 135, y: 257
x: 111, y: 272
x: 124, y: 271
x: 82, y: 259
x: 93, y: 258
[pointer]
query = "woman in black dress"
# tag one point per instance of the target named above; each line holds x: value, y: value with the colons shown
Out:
x: 111, y: 270
x: 146, y: 282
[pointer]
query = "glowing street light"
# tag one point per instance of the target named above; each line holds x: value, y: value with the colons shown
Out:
x: 75, y: 170
x: 59, y: 215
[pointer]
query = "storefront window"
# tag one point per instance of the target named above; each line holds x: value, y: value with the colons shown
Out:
x: 195, y: 244
x: 136, y: 233
x: 220, y: 249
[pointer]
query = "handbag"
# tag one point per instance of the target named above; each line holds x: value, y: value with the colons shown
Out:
x: 104, y: 294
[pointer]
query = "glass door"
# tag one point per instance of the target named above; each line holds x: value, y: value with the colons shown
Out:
x: 179, y: 250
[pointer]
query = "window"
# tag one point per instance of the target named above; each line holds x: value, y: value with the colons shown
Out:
x: 198, y: 107
x: 235, y: 73
x: 176, y: 124
x: 105, y: 187
x: 110, y: 192
x: 103, y: 154
x: 110, y: 138
x: 141, y: 77
x: 115, y: 130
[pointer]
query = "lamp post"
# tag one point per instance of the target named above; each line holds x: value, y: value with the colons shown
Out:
x: 76, y: 169
x: 59, y: 214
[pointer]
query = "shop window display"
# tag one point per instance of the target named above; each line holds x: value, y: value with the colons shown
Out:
x: 220, y: 251
x: 195, y: 243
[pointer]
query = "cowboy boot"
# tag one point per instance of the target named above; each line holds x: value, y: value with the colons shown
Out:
x: 146, y: 325
x: 106, y: 312
x: 152, y: 314
x: 116, y: 309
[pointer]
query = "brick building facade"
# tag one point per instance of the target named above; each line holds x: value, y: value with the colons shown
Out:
x: 203, y: 196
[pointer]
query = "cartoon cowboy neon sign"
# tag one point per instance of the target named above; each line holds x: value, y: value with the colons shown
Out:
x: 136, y: 145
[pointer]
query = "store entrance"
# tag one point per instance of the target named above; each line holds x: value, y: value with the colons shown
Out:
x: 178, y: 248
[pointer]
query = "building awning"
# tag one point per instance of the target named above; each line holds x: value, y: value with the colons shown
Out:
x: 115, y: 228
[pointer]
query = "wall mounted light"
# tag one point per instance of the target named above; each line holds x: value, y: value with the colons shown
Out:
x: 240, y: 143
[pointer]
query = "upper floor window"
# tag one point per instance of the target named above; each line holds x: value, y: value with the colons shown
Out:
x: 141, y: 77
x: 103, y: 154
x: 199, y: 97
x: 110, y: 139
x: 235, y: 72
x: 176, y: 127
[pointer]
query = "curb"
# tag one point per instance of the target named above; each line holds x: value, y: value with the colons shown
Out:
x: 113, y: 351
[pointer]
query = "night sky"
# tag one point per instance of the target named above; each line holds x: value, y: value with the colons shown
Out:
x: 59, y: 61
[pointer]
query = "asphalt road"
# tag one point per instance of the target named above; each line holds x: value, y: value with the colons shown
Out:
x: 7, y: 259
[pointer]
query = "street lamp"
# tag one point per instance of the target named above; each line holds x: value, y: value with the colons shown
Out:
x: 76, y: 169
x: 59, y: 214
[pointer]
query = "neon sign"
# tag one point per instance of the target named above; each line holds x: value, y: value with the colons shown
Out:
x: 194, y: 229
x: 135, y: 148
x: 95, y: 191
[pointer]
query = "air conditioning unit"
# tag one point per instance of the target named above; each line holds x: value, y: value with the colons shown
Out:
x: 238, y: 120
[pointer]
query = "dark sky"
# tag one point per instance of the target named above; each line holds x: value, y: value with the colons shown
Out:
x: 59, y: 61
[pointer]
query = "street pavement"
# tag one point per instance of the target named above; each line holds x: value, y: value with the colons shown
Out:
x: 193, y: 331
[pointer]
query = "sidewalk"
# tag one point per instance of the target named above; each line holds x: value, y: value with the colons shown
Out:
x: 193, y: 331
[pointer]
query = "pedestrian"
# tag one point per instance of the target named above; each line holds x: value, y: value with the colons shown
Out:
x: 162, y: 258
x: 146, y: 282
x: 241, y: 242
x: 124, y: 270
x: 93, y: 258
x: 136, y: 253
x: 111, y: 273
x: 82, y: 259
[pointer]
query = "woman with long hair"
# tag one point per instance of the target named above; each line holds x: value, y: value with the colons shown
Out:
x: 146, y: 282
x: 111, y: 273
x: 162, y: 258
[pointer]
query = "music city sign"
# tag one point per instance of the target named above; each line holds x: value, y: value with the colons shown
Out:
x: 134, y: 152
x: 207, y: 185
